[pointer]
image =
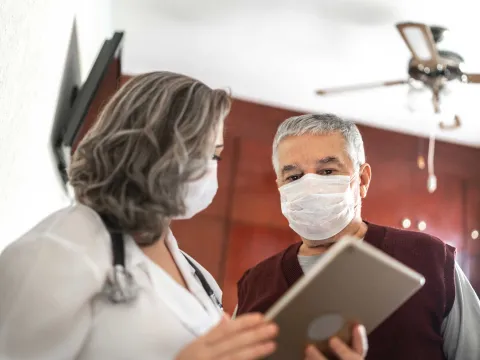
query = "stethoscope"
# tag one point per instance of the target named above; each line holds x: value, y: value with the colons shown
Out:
x: 121, y: 286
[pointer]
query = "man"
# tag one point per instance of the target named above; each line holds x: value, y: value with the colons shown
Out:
x: 322, y: 178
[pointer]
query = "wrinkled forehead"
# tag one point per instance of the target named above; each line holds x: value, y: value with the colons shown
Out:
x: 305, y: 150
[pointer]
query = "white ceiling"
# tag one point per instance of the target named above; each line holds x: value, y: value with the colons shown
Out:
x: 279, y: 51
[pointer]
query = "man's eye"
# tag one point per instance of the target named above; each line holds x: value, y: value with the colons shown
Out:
x: 217, y: 158
x: 293, y: 178
x: 326, y: 172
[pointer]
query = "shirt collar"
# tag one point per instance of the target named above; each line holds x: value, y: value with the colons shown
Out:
x: 135, y: 257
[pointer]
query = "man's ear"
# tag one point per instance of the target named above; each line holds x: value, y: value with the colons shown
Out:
x: 365, y: 178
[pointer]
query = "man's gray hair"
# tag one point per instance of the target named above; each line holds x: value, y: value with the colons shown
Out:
x: 320, y: 125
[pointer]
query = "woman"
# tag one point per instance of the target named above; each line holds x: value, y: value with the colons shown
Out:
x: 150, y: 158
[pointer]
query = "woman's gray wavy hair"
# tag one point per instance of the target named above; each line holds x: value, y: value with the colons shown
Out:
x: 154, y: 135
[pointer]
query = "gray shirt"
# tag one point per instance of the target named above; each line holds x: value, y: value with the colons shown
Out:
x: 461, y: 328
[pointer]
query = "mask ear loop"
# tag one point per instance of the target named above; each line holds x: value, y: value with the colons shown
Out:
x: 359, y: 174
x: 354, y: 175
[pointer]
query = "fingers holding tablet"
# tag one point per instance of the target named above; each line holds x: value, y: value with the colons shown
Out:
x: 342, y: 351
x: 353, y: 283
x: 360, y: 340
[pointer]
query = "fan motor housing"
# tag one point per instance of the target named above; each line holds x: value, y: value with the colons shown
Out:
x: 449, y: 69
x: 438, y: 32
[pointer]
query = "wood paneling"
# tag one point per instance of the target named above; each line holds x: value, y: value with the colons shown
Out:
x: 248, y: 245
x: 208, y: 236
x: 255, y: 194
x: 399, y: 191
x: 472, y: 205
x: 472, y: 222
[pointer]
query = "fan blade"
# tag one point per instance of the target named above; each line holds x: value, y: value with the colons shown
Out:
x: 360, y: 87
x: 419, y: 40
x: 473, y: 78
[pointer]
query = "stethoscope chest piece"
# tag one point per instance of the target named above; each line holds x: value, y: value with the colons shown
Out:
x: 120, y: 286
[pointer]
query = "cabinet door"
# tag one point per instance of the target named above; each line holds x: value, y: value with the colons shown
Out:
x: 442, y: 211
x: 399, y: 191
x: 247, y: 246
x: 258, y: 229
x: 472, y: 236
x: 202, y: 237
x: 255, y: 195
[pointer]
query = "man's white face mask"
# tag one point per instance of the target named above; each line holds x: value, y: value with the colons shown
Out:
x: 318, y: 207
x: 199, y: 193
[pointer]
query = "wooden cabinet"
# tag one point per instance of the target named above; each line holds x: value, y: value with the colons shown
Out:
x: 472, y: 236
x: 203, y: 238
x: 255, y: 195
x: 249, y: 244
x: 399, y: 191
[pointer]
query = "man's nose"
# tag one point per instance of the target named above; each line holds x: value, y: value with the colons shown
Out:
x: 310, y: 170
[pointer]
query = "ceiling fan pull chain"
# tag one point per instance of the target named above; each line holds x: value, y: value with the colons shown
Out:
x: 432, y: 179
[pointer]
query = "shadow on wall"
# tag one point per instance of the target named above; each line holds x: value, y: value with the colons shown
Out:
x: 39, y: 81
x: 69, y: 87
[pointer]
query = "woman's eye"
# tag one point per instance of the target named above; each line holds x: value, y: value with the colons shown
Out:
x: 217, y: 158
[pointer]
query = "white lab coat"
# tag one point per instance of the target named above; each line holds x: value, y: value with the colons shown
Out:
x: 52, y: 306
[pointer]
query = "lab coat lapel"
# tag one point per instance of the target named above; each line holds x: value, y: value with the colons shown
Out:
x: 193, y: 283
x: 194, y: 311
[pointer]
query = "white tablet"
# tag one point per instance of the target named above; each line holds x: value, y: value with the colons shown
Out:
x: 352, y: 283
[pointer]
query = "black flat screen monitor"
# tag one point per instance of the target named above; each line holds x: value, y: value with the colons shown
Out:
x: 73, y: 122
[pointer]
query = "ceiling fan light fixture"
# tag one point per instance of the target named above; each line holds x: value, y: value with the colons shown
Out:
x: 418, y: 99
x: 416, y: 84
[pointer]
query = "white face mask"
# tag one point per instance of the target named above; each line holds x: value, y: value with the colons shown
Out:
x: 318, y: 207
x: 200, y: 192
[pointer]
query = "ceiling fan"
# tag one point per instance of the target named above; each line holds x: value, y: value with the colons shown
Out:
x: 430, y: 66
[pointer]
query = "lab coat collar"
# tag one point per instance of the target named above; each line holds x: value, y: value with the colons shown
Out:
x: 135, y: 257
x: 193, y: 308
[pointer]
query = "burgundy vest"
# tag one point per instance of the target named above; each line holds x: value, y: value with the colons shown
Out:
x: 410, y: 333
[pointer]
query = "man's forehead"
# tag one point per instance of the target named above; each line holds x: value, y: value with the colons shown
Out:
x: 310, y: 145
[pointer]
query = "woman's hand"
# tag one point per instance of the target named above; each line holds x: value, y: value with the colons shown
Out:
x: 248, y: 337
x: 358, y: 351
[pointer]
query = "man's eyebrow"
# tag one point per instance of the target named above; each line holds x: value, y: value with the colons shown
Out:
x: 288, y: 168
x: 329, y: 160
x: 219, y: 146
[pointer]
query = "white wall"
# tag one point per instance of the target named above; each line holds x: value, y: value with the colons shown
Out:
x: 34, y: 38
x: 94, y: 24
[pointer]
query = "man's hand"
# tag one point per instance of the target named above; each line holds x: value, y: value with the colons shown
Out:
x: 358, y: 351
